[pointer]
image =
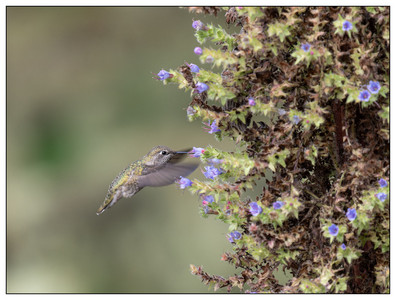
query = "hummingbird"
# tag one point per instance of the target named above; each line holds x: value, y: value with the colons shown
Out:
x: 161, y: 166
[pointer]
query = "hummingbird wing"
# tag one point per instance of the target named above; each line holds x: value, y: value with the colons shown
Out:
x: 167, y: 174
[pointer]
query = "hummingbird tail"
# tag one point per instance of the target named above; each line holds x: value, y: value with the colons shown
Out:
x: 109, y: 202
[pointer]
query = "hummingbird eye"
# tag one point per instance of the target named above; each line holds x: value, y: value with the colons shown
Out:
x: 164, y: 152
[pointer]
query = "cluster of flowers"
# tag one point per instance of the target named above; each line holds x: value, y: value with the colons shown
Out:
x: 256, y: 209
x: 372, y: 88
x: 200, y: 87
x: 211, y: 172
x: 198, y: 25
x: 351, y: 213
x: 382, y: 196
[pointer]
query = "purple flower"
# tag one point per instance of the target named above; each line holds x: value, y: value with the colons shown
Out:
x: 364, y: 96
x: 234, y: 235
x: 251, y: 101
x: 184, y: 182
x: 213, y: 127
x: 333, y: 230
x: 343, y: 247
x: 278, y: 204
x: 162, y: 75
x: 194, y: 68
x: 198, y: 50
x: 196, y: 152
x: 346, y: 26
x: 212, y: 172
x: 201, y: 87
x: 351, y: 214
x: 306, y: 47
x: 382, y: 182
x: 197, y: 25
x: 207, y: 200
x: 374, y: 87
x: 381, y: 196
x: 296, y: 119
x: 255, y: 209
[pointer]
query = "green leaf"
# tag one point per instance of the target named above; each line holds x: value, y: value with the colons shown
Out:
x: 309, y: 287
x: 371, y: 9
x: 350, y: 255
x: 341, y: 284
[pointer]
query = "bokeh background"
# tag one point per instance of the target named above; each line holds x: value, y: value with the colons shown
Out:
x: 82, y: 105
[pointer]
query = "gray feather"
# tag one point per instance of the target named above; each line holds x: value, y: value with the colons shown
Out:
x: 167, y: 175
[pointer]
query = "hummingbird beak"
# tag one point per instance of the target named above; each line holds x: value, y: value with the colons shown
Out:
x: 184, y: 151
x: 179, y: 155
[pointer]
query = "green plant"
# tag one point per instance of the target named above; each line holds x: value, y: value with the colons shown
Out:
x: 308, y: 108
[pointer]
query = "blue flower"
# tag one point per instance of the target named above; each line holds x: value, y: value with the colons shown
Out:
x: 198, y: 50
x: 212, y: 172
x: 346, y: 26
x: 184, y: 182
x: 255, y: 209
x: 278, y: 204
x: 351, y: 214
x: 234, y: 235
x: 197, y: 25
x: 196, y: 152
x: 296, y: 119
x: 194, y: 68
x: 381, y: 196
x: 364, y: 96
x: 209, y: 199
x: 201, y: 87
x: 306, y: 47
x: 213, y: 127
x: 162, y: 75
x: 382, y: 182
x: 251, y: 101
x: 343, y: 247
x: 333, y: 230
x: 374, y: 87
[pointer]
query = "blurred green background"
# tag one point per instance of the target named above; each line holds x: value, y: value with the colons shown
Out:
x: 81, y: 106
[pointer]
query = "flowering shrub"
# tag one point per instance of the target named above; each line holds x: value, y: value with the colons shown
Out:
x: 304, y: 94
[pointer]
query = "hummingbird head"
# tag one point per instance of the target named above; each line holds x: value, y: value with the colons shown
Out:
x: 161, y: 155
